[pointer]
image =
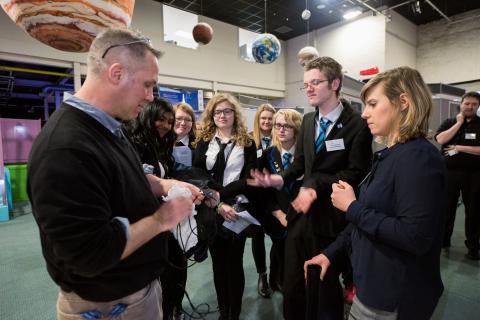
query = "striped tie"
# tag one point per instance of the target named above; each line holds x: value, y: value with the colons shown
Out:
x: 322, y: 134
x: 286, y: 160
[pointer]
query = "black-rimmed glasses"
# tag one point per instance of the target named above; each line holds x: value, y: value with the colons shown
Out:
x: 313, y: 84
x: 284, y: 126
x: 146, y: 41
x: 226, y: 112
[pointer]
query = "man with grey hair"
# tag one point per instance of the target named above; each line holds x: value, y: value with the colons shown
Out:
x: 97, y: 211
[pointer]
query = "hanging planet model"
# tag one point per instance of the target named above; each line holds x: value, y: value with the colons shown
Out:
x: 306, y: 54
x: 68, y: 25
x: 202, y: 33
x: 266, y: 48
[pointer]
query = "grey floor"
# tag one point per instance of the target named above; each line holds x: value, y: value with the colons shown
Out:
x: 27, y: 292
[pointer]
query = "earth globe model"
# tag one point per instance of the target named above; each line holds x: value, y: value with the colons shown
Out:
x: 266, y: 48
x: 68, y: 25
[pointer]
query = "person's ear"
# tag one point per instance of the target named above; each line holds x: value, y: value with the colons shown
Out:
x: 335, y: 84
x: 404, y: 102
x: 115, y: 73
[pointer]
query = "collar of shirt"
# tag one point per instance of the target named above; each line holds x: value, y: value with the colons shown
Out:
x: 291, y: 151
x: 101, y: 116
x: 185, y: 140
x: 332, y: 116
x: 223, y: 140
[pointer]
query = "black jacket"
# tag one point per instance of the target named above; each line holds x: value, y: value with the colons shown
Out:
x: 322, y: 169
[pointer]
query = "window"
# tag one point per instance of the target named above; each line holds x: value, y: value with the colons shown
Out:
x: 245, y: 41
x: 178, y: 26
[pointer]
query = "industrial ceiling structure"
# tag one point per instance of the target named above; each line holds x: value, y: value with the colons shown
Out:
x: 283, y: 17
x: 27, y: 91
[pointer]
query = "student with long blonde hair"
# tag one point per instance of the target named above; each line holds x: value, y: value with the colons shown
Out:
x: 224, y: 149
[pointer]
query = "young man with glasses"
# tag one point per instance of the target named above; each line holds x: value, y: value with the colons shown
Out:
x: 97, y: 211
x: 334, y: 144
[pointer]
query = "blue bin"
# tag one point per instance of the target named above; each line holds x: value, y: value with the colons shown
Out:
x: 4, y: 213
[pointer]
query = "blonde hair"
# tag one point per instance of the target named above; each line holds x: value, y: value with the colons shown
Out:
x: 239, y: 130
x: 256, y: 124
x: 185, y: 107
x: 293, y: 118
x: 411, y: 122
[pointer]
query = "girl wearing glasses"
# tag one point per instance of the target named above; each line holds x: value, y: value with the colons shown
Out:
x: 153, y: 138
x: 225, y: 150
x: 275, y: 159
x: 184, y: 127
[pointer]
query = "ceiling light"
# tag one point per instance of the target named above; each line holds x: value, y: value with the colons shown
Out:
x: 352, y: 14
x: 321, y: 6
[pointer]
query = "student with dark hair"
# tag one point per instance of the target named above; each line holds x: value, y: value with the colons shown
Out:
x: 153, y: 137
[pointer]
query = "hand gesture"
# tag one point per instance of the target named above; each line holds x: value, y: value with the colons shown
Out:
x: 264, y: 179
x: 320, y: 260
x: 304, y: 200
x: 342, y: 195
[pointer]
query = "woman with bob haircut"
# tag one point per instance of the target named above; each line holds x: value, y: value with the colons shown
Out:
x: 395, y: 230
x: 225, y: 150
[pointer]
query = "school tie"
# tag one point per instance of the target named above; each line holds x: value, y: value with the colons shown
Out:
x: 286, y: 160
x: 218, y: 169
x: 266, y: 141
x: 322, y: 134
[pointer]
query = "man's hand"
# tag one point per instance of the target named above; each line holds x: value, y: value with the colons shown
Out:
x: 460, y: 118
x: 197, y: 194
x: 281, y: 217
x: 172, y: 212
x: 265, y: 179
x: 227, y: 212
x: 304, y: 200
x: 320, y: 260
x: 342, y: 195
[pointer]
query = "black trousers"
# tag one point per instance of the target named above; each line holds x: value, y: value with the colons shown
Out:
x: 173, y: 278
x: 468, y: 182
x: 258, y: 248
x: 302, y: 244
x: 228, y: 275
x: 277, y: 258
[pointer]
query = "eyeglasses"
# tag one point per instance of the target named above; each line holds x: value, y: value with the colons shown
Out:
x: 313, y: 84
x: 284, y: 126
x: 180, y: 120
x: 145, y: 41
x: 226, y: 112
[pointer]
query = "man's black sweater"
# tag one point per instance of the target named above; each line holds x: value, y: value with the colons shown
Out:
x: 80, y: 177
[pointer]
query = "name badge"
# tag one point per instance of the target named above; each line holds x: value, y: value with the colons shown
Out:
x: 470, y: 136
x: 259, y: 153
x: 335, y: 145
